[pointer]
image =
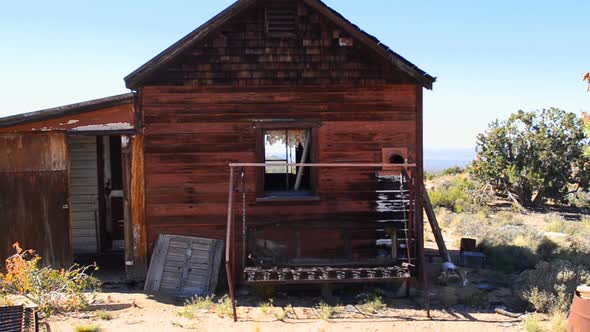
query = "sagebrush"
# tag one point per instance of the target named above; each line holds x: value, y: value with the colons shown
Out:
x: 52, y: 290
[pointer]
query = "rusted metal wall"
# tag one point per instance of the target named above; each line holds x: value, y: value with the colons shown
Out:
x: 34, y: 195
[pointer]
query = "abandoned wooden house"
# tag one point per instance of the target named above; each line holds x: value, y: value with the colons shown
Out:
x: 277, y: 126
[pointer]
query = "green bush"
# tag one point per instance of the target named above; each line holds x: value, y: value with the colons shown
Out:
x: 550, y: 285
x: 453, y: 170
x: 460, y: 194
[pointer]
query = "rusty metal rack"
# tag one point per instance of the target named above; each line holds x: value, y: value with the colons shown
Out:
x: 321, y: 274
x: 325, y: 274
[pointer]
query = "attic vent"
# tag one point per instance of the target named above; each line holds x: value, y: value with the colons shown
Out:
x: 281, y: 18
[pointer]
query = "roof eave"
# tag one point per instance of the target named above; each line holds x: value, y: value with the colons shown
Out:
x: 77, y: 108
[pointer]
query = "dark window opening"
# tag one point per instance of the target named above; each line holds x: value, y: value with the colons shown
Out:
x: 116, y: 163
x: 282, y: 147
x: 396, y: 159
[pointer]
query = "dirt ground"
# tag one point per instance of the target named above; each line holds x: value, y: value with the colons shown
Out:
x: 132, y: 310
x: 139, y: 312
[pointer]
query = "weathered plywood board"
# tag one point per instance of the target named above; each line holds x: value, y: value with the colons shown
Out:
x: 84, y: 193
x: 184, y: 266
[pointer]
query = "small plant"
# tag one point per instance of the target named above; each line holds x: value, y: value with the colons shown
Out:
x: 192, y: 306
x: 281, y: 315
x: 374, y: 304
x: 267, y: 307
x: 104, y: 315
x: 559, y: 321
x: 51, y: 290
x: 326, y: 311
x: 532, y: 323
x: 87, y: 328
x: 224, y: 307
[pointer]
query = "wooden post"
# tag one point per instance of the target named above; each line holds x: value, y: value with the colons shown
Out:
x: 134, y: 202
x: 440, y: 242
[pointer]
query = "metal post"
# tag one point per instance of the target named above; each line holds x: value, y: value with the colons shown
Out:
x: 228, y: 244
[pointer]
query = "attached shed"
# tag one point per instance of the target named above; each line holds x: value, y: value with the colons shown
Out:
x: 66, y: 180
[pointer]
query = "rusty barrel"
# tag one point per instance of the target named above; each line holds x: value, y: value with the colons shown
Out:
x: 579, y: 319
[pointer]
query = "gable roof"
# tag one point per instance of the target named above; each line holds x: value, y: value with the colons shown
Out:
x: 135, y: 79
x: 56, y: 112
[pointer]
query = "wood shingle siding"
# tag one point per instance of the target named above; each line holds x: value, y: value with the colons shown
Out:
x: 243, y: 53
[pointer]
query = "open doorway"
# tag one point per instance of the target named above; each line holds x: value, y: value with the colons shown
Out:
x: 96, y: 197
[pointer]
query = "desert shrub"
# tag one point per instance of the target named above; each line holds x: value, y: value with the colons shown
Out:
x: 51, y: 290
x: 508, y: 258
x: 460, y: 194
x: 452, y: 170
x: 580, y: 199
x: 550, y: 285
x: 546, y: 249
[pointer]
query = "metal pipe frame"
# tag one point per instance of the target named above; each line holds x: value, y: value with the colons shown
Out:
x: 230, y: 264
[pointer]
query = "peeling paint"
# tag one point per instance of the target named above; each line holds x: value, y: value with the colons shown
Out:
x: 70, y: 122
x: 107, y: 126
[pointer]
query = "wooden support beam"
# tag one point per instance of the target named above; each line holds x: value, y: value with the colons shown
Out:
x: 440, y: 242
x: 135, y: 226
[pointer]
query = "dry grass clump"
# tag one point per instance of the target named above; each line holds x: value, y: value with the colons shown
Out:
x: 104, y: 315
x: 87, y: 328
x: 326, y: 311
x: 532, y: 323
x: 193, y: 306
x: 374, y: 304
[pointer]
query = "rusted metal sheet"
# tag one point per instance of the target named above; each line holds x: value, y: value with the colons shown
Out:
x: 33, y: 152
x: 119, y: 117
x: 110, y: 113
x: 34, y: 196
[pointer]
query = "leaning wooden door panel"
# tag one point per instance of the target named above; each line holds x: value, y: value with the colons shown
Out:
x: 34, y: 195
x: 184, y: 266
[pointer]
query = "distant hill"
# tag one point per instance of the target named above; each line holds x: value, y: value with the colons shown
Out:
x: 436, y: 160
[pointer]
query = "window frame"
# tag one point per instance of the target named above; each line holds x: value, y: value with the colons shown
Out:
x: 260, y: 127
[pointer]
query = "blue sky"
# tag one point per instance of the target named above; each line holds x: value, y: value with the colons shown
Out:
x: 491, y: 57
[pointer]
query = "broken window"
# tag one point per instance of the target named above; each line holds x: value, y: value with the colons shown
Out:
x: 283, y: 147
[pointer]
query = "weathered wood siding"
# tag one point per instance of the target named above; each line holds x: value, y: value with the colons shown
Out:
x: 199, y: 115
x: 33, y: 192
x: 84, y: 193
x: 192, y: 134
